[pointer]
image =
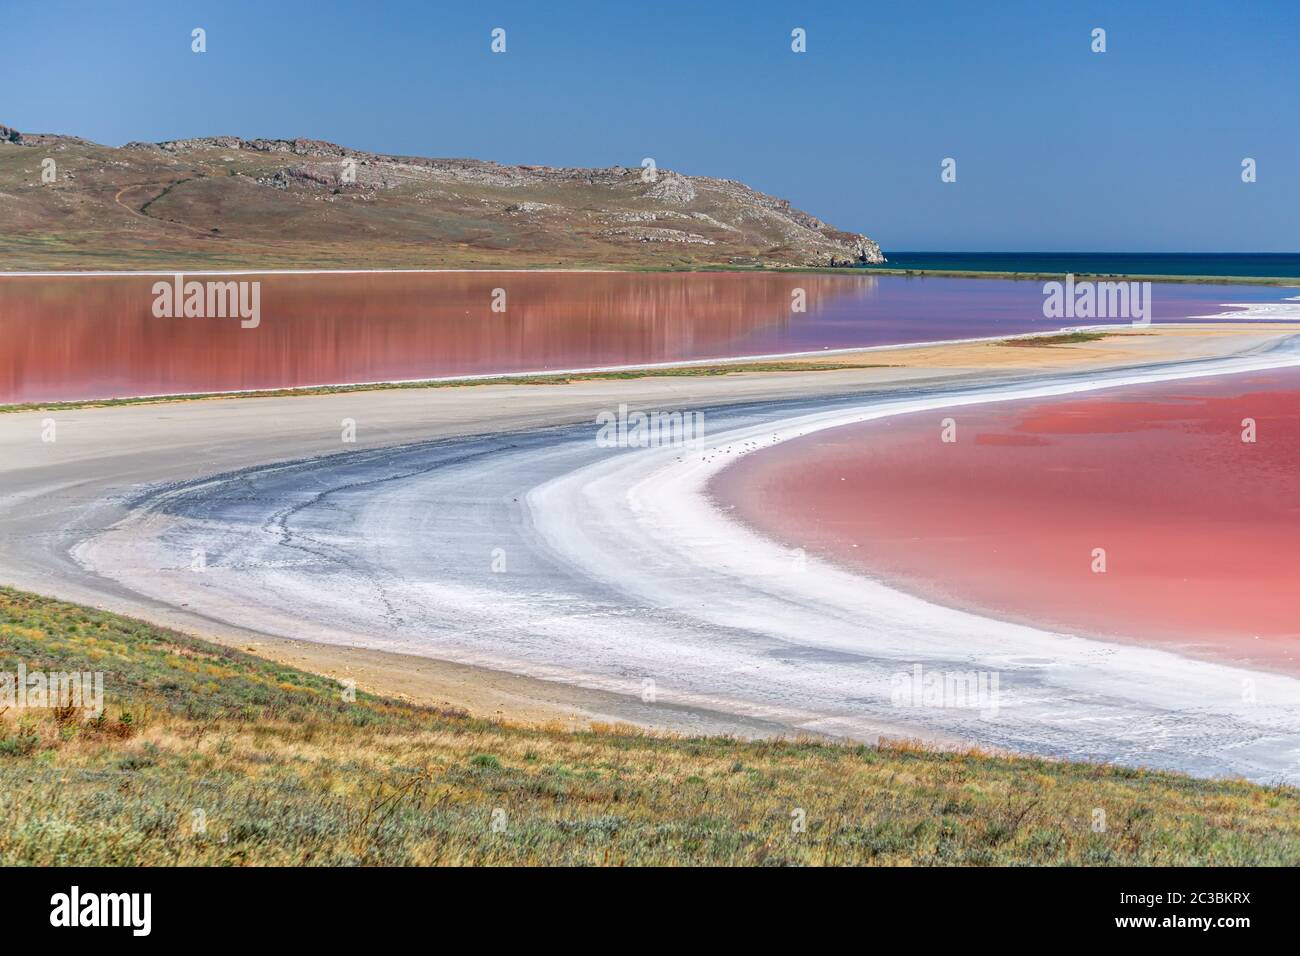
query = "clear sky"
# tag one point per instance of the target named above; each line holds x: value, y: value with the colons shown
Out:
x: 1057, y: 148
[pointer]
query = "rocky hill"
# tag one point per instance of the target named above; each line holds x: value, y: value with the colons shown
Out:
x: 220, y: 201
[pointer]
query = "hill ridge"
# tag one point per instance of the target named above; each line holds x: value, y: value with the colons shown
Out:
x: 227, y: 198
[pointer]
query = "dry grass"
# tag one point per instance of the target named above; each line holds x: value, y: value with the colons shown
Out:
x: 1048, y: 341
x: 540, y: 378
x: 207, y: 755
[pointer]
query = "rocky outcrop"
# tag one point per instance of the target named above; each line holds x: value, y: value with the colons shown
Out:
x: 296, y: 147
x: 858, y: 247
x: 10, y: 135
x: 672, y: 189
x: 656, y: 235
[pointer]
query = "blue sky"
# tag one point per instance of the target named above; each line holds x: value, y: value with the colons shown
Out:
x: 1057, y: 148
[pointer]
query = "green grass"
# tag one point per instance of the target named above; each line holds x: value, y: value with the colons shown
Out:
x: 280, y: 769
x: 676, y: 371
x: 1062, y: 338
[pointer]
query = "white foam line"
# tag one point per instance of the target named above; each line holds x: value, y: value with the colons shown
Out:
x: 1257, y: 311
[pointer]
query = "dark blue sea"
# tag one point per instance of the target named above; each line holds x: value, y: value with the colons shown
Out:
x: 1282, y: 265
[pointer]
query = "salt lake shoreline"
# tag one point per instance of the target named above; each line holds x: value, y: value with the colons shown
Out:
x: 401, y: 329
x: 619, y: 568
x: 406, y: 416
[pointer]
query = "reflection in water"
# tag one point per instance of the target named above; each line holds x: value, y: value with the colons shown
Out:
x: 64, y: 338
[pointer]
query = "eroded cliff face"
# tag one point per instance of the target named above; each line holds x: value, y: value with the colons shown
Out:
x: 311, y: 201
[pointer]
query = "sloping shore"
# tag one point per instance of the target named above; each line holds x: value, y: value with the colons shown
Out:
x: 272, y: 766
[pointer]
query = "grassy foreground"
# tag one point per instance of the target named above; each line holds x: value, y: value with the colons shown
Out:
x: 207, y: 755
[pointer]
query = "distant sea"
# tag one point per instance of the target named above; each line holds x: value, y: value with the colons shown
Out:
x: 1283, y: 265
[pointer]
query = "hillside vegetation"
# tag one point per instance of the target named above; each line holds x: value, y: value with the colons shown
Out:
x: 223, y: 202
x: 208, y: 755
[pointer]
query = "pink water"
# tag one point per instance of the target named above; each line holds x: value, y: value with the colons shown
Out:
x: 66, y: 338
x: 1201, y: 531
